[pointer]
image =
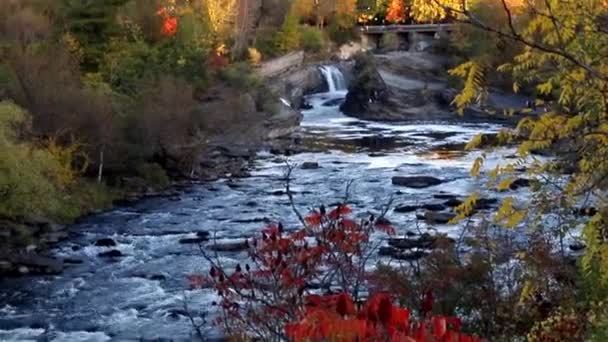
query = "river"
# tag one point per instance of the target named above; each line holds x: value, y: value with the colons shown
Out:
x: 140, y: 295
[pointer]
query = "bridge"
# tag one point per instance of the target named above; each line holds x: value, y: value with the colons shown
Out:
x: 409, y: 37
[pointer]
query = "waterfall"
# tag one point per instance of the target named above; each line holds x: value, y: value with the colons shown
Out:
x: 334, y: 78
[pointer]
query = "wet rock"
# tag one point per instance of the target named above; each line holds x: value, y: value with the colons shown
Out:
x: 203, y: 233
x: 236, y: 246
x: 377, y: 142
x: 424, y: 241
x: 406, y: 208
x: 520, y: 183
x: 254, y: 220
x: 333, y: 102
x: 72, y: 261
x: 433, y: 206
x: 416, y: 182
x: 54, y: 237
x: 107, y: 242
x: 446, y: 196
x: 111, y: 254
x: 35, y: 263
x: 436, y: 217
x: 486, y: 203
x: 452, y: 202
x: 193, y: 241
x: 577, y: 246
x: 398, y: 254
x: 154, y: 276
x: 309, y: 166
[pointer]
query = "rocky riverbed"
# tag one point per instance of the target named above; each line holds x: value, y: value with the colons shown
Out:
x: 126, y: 268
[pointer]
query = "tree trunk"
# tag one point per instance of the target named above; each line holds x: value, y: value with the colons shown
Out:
x: 101, y: 160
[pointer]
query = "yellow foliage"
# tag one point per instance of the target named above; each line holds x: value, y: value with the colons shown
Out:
x: 255, y: 57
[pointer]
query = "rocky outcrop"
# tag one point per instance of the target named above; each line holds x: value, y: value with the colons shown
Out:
x: 367, y: 92
x: 23, y: 243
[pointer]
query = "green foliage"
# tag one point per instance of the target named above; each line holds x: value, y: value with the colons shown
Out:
x: 92, y: 23
x: 153, y: 174
x: 288, y: 38
x: 341, y: 29
x: 240, y: 76
x: 36, y: 180
x: 311, y: 39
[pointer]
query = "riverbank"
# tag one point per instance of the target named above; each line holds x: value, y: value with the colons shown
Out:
x: 26, y: 242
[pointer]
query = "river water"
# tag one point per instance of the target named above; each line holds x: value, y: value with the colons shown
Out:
x: 141, y: 295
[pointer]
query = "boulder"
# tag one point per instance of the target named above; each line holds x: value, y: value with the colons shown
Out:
x: 310, y: 166
x: 406, y: 208
x: 416, y: 182
x: 37, y: 264
x: 111, y: 254
x: 367, y: 90
x: 452, y: 202
x: 446, y: 196
x: 106, y: 242
x: 520, y: 183
x: 433, y: 206
x: 436, y: 217
x: 398, y: 254
x: 194, y: 241
x: 577, y: 246
x: 424, y: 241
x: 233, y: 246
x: 333, y: 102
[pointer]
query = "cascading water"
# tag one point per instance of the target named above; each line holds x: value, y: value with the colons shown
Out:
x: 334, y: 78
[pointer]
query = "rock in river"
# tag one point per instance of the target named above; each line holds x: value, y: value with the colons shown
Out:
x: 416, y: 182
x: 310, y: 166
x: 105, y: 243
x: 111, y: 254
x: 232, y: 246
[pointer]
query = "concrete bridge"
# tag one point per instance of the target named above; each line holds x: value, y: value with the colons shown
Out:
x: 410, y: 37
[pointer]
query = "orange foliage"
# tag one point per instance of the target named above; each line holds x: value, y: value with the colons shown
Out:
x: 396, y: 12
x: 170, y: 23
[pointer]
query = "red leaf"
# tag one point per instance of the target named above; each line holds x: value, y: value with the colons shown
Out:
x: 169, y: 27
x: 345, y: 305
x: 385, y: 310
x: 349, y: 224
x: 401, y: 317
x: 313, y: 300
x: 340, y: 211
x: 314, y: 219
x: 427, y: 302
x: 439, y: 326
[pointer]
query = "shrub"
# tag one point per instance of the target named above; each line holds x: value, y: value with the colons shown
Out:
x: 341, y: 29
x: 153, y: 174
x: 311, y: 39
x: 240, y: 76
x: 255, y: 57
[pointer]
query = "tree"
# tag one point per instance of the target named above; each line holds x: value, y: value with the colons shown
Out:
x: 396, y: 12
x: 564, y: 44
x: 432, y: 11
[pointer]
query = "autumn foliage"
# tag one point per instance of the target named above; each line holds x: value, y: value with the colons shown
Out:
x: 308, y: 285
x: 396, y: 12
x: 334, y: 318
x: 169, y: 22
